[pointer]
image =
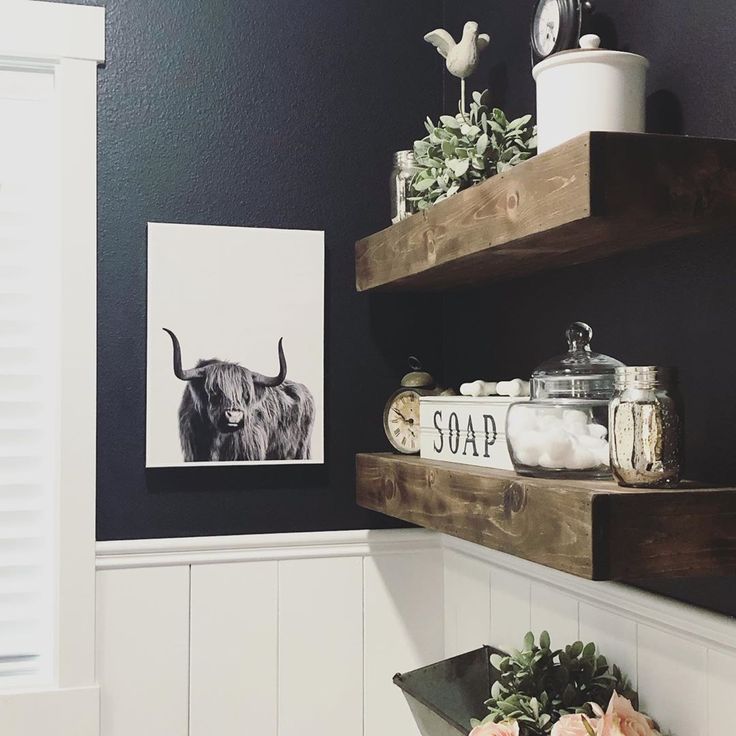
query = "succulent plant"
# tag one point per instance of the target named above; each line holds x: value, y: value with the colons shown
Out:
x: 464, y: 149
x: 538, y: 685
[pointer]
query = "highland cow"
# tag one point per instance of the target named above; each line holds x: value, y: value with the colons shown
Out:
x: 229, y: 413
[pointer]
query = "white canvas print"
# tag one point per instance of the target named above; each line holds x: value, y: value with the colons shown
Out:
x: 235, y: 370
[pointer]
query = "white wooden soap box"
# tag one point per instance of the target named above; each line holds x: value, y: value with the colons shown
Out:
x: 465, y: 429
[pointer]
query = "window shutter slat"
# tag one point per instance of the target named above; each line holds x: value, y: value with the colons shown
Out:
x: 29, y: 303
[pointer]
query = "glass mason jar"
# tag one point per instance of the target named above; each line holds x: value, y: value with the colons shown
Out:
x: 405, y: 168
x: 562, y: 432
x: 645, y: 428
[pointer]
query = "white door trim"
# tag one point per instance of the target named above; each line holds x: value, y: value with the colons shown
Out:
x: 70, y: 40
x: 42, y: 30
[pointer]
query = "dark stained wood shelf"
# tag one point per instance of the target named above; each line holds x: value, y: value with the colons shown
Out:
x: 595, y: 196
x: 592, y: 529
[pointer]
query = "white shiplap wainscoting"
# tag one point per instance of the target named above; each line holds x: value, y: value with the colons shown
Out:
x: 682, y: 659
x: 302, y: 633
x: 275, y: 634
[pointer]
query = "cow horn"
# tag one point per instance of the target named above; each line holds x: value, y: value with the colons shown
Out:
x: 275, y: 380
x: 179, y: 372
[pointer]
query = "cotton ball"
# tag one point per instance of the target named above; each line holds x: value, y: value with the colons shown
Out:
x: 547, y: 462
x: 527, y: 446
x: 557, y: 446
x: 549, y: 422
x: 575, y: 421
x: 521, y: 420
x: 530, y: 438
x: 604, y: 454
x: 528, y: 456
x: 581, y: 459
x: 547, y: 410
x: 594, y: 444
x: 597, y: 448
x: 597, y: 430
x: 577, y: 430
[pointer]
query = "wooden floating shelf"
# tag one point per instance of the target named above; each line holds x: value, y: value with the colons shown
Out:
x: 595, y: 196
x: 595, y: 530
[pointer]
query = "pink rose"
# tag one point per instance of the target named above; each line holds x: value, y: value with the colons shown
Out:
x: 621, y: 719
x: 506, y: 728
x: 573, y: 725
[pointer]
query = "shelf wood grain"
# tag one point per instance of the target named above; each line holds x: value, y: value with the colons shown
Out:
x: 595, y: 530
x: 590, y: 198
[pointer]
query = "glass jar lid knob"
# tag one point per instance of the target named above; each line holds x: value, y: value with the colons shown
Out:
x: 579, y: 373
x: 579, y: 336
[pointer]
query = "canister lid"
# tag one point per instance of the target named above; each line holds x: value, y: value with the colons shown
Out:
x: 643, y: 377
x: 590, y: 51
x: 577, y: 374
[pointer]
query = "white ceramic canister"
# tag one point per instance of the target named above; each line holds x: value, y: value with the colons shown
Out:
x: 589, y: 89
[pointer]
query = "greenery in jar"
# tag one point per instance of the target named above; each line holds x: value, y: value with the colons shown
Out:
x: 467, y: 148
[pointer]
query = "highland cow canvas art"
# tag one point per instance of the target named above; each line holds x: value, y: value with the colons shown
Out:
x: 235, y: 370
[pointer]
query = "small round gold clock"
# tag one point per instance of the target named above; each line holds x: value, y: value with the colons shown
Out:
x: 401, y: 414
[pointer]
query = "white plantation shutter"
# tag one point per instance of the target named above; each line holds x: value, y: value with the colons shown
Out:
x: 29, y: 371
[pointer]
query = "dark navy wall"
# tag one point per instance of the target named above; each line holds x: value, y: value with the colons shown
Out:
x: 672, y: 305
x: 272, y: 114
x: 284, y: 114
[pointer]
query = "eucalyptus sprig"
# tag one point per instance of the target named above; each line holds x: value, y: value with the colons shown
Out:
x: 464, y: 149
x: 538, y: 685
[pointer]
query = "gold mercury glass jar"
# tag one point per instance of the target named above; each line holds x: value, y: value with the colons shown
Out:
x: 645, y: 431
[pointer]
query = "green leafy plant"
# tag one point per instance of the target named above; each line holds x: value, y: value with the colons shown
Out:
x: 538, y: 685
x: 466, y: 148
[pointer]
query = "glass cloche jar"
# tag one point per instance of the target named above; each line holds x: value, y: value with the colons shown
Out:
x: 563, y: 431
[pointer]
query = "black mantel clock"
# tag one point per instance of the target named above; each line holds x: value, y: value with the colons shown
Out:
x: 557, y: 26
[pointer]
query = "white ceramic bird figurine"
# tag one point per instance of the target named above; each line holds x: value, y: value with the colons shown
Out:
x: 462, y: 57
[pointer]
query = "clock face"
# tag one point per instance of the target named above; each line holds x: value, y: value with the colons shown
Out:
x: 401, y: 421
x: 546, y: 27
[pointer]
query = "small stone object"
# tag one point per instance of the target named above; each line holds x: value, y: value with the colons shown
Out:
x: 479, y: 388
x: 514, y: 388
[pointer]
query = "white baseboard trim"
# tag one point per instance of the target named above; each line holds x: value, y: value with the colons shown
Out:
x: 711, y: 629
x: 242, y: 548
x: 62, y: 712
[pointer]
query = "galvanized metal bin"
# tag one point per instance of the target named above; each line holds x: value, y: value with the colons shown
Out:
x: 444, y: 696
